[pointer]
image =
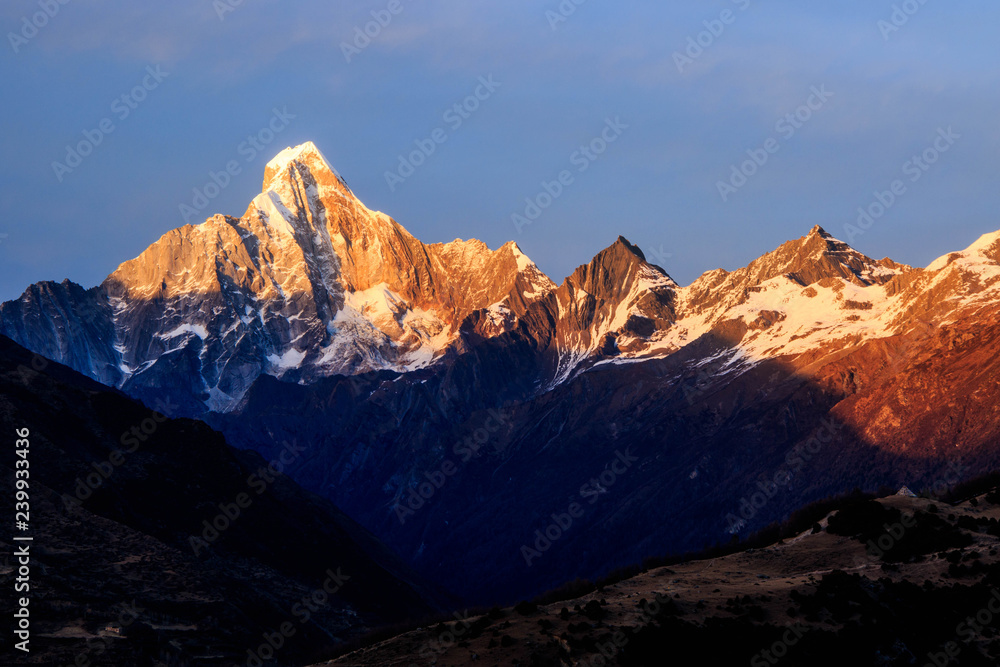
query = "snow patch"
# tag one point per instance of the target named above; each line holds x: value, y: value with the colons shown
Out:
x: 291, y: 358
x: 196, y: 329
x: 291, y: 154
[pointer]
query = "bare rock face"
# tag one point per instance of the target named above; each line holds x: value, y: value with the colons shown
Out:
x: 308, y: 283
x: 613, y: 307
x: 66, y: 322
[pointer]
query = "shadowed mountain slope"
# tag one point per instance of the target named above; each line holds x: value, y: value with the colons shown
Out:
x: 119, y: 499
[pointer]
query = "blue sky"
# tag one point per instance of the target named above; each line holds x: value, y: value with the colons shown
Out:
x: 656, y: 184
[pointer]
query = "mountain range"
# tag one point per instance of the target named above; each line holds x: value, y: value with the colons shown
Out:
x: 504, y: 433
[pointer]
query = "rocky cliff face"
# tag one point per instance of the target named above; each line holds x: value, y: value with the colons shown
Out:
x: 312, y: 317
x: 307, y: 283
x: 612, y: 307
x: 310, y: 283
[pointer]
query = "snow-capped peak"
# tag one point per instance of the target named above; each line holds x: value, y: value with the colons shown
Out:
x: 306, y: 154
x: 308, y: 283
x: 986, y: 247
x: 300, y: 153
x: 523, y: 263
x: 986, y: 244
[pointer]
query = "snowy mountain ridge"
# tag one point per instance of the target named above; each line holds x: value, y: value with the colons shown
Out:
x: 309, y: 283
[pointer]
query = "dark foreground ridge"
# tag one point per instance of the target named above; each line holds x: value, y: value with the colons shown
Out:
x: 156, y: 541
x: 897, y: 581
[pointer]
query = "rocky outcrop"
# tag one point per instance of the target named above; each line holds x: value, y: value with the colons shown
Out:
x: 615, y: 306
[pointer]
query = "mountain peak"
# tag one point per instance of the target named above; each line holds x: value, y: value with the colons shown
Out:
x: 306, y: 154
x: 983, y: 253
x: 619, y: 257
x: 819, y: 255
x: 624, y: 243
x: 301, y: 152
x: 619, y: 264
x: 819, y: 231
